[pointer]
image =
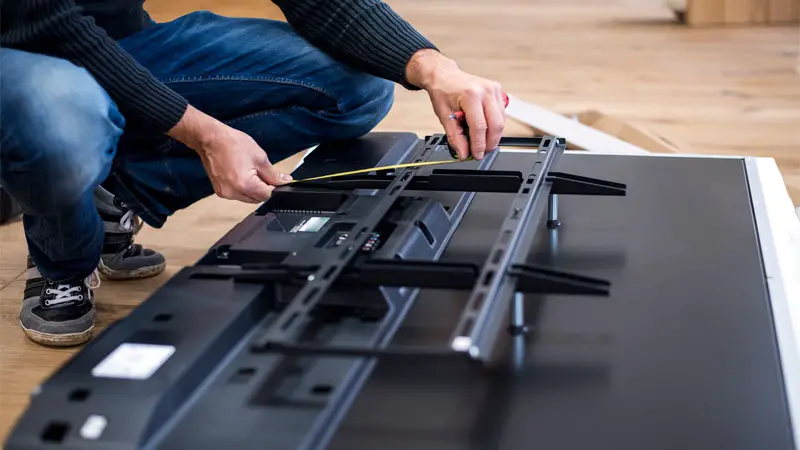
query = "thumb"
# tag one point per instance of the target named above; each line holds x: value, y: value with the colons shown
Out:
x: 271, y: 175
x: 452, y: 128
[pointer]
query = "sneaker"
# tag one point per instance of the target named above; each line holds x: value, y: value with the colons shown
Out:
x: 122, y: 259
x: 58, y: 314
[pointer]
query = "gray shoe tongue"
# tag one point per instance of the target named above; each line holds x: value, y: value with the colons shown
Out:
x: 107, y: 202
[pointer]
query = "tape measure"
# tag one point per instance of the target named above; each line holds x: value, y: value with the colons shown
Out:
x: 459, y: 116
x: 392, y: 167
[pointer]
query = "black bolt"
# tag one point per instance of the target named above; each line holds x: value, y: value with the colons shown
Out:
x: 552, y: 224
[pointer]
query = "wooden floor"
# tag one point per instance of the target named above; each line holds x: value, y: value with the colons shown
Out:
x: 729, y: 91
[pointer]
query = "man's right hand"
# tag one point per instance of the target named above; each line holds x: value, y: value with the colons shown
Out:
x: 237, y: 166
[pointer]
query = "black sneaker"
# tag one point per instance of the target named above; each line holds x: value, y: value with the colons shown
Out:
x: 122, y: 259
x: 58, y: 314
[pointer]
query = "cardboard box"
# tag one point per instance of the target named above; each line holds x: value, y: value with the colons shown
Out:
x: 592, y: 130
x: 736, y: 12
x: 637, y: 136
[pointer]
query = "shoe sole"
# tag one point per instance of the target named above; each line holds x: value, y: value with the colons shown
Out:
x: 58, y: 340
x: 142, y: 272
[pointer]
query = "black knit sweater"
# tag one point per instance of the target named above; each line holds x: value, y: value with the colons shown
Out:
x: 366, y: 34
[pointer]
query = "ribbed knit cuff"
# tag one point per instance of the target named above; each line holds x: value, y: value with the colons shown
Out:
x: 165, y: 107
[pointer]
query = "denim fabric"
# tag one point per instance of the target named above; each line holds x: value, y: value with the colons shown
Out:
x: 62, y: 135
x: 58, y: 135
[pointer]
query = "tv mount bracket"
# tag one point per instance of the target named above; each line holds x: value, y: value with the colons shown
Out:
x: 493, y: 286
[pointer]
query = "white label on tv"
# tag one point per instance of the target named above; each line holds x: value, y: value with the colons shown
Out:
x: 133, y: 361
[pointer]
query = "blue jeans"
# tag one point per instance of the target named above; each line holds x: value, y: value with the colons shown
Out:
x: 62, y: 135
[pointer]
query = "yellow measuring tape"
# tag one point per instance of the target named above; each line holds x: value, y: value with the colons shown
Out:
x: 458, y: 116
x: 374, y: 169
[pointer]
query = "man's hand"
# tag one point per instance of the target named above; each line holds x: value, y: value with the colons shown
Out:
x: 237, y: 166
x: 451, y: 90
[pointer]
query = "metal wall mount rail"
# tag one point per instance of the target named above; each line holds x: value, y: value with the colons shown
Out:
x: 492, y: 285
x: 488, y: 305
x: 287, y: 324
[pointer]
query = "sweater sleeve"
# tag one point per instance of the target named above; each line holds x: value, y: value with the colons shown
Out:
x: 58, y: 28
x: 367, y: 34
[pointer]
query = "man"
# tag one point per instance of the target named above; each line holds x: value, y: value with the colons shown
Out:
x: 108, y: 116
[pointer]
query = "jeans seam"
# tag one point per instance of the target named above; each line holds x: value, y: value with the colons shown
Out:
x: 254, y: 78
x: 255, y: 115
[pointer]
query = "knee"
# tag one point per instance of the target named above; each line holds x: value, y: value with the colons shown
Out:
x: 55, y: 111
x: 367, y: 103
x: 59, y: 127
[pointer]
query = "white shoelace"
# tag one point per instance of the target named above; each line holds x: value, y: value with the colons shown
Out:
x: 94, y: 279
x: 63, y: 293
x: 130, y: 222
x: 67, y: 293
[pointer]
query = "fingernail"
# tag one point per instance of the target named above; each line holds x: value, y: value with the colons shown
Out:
x: 286, y: 177
x: 479, y: 156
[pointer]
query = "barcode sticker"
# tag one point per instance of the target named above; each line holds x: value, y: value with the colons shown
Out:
x: 133, y: 361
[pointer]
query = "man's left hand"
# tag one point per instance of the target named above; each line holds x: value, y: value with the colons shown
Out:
x: 451, y: 90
